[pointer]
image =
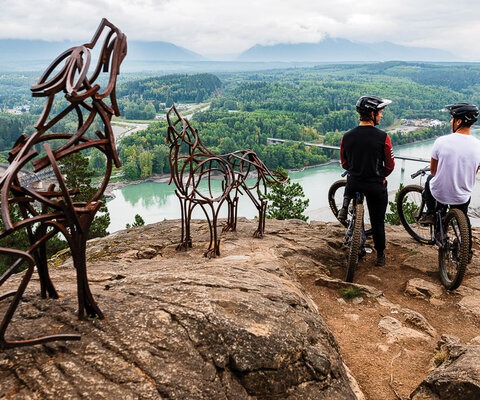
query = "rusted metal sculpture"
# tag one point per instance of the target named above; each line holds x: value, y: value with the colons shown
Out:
x: 211, y: 181
x: 44, y: 213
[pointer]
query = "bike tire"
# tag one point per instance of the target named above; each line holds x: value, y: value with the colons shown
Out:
x: 335, y: 201
x: 355, y: 244
x: 411, y: 207
x: 335, y: 198
x: 453, y: 254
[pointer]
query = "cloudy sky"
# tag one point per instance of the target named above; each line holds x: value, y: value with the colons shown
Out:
x: 212, y: 27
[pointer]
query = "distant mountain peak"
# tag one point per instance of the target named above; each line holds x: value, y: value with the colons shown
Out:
x: 37, y: 54
x: 342, y: 50
x: 162, y: 51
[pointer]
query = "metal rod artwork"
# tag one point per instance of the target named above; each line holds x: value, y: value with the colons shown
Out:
x: 195, y: 169
x: 43, y: 213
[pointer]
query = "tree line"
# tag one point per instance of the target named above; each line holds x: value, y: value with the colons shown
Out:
x: 302, y: 104
x: 143, y: 99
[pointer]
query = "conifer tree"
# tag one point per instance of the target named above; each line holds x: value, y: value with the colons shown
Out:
x: 287, y: 200
x: 79, y: 176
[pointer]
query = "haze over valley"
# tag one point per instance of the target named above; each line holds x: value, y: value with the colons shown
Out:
x: 27, y: 55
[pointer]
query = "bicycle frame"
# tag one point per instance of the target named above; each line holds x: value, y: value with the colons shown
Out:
x: 438, y: 237
x: 335, y: 201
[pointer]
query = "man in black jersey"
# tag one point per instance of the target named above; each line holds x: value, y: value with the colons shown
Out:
x: 366, y: 153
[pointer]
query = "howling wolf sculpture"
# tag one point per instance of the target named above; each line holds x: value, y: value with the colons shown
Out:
x: 69, y: 89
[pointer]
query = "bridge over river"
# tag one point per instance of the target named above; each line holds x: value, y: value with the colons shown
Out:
x: 324, y: 146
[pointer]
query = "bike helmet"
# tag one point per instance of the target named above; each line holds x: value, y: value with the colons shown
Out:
x: 367, y: 104
x: 467, y: 112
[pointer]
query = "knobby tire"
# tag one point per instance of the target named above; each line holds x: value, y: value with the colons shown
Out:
x: 453, y: 256
x: 405, y: 203
x: 355, y: 243
x: 331, y: 198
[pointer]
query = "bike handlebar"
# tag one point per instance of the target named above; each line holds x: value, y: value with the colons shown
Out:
x: 422, y: 172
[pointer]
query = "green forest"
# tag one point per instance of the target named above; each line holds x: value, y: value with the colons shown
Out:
x: 243, y: 109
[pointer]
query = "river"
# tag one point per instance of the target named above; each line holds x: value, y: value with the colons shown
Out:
x: 156, y: 201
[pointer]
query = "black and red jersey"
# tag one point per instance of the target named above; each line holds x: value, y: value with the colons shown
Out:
x: 366, y: 152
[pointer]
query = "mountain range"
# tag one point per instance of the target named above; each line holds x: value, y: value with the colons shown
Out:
x: 343, y: 50
x: 18, y: 54
x: 28, y: 54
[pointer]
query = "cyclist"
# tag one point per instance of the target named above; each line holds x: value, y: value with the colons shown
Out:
x: 455, y: 160
x: 366, y: 152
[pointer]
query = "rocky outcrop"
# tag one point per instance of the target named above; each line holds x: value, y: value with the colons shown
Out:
x: 457, y: 375
x: 243, y: 326
x: 179, y: 325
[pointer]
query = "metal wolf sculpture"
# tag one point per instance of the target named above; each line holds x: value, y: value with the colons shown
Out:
x: 205, y: 179
x: 45, y: 212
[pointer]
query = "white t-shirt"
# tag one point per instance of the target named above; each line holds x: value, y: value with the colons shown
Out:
x: 458, y: 158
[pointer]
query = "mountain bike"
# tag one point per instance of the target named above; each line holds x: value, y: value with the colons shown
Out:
x: 335, y: 200
x: 450, y: 232
x: 355, y: 234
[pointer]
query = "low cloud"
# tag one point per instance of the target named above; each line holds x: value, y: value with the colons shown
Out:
x: 232, y: 26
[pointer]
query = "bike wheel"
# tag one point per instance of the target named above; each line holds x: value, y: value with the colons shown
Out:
x: 355, y: 245
x: 453, y: 253
x: 411, y: 207
x: 335, y: 198
x: 335, y: 201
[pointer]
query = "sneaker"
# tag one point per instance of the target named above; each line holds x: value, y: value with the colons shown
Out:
x: 427, y: 219
x: 380, y: 261
x: 342, y: 214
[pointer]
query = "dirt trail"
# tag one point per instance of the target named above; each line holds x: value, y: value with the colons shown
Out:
x: 387, y: 367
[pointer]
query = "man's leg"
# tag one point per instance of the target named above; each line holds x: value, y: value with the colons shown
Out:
x: 348, y: 194
x: 428, y: 197
x: 377, y: 201
x: 429, y: 217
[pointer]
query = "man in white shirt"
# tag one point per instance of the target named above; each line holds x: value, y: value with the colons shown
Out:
x: 454, y: 163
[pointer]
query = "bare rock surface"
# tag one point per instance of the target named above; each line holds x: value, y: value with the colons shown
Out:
x: 457, y: 375
x: 178, y: 325
x: 267, y: 319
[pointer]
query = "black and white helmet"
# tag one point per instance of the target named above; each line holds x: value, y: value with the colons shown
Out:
x: 467, y: 112
x: 367, y: 104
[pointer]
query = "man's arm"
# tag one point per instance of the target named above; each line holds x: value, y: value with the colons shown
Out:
x: 343, y: 157
x: 389, y: 156
x: 433, y: 166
